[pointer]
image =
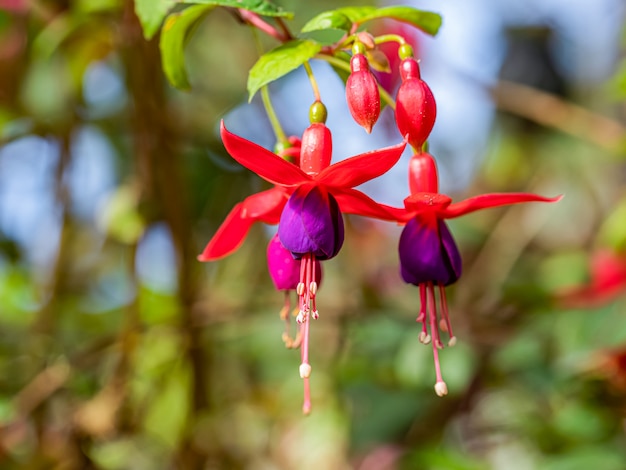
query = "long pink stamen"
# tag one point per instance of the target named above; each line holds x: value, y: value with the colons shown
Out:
x: 428, y: 318
x: 305, y: 341
x: 434, y: 330
x: 445, y: 321
x: 424, y: 337
x: 422, y: 314
x: 307, y: 288
x: 440, y: 386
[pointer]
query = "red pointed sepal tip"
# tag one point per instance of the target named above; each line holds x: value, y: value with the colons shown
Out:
x: 486, y: 201
x: 228, y: 237
x: 261, y: 161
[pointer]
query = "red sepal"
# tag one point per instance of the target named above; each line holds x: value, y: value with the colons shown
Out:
x: 357, y: 170
x: 264, y: 163
x: 486, y: 201
x: 265, y: 207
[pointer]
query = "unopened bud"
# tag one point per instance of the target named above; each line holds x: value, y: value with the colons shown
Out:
x: 362, y: 93
x: 415, y: 105
x: 316, y: 149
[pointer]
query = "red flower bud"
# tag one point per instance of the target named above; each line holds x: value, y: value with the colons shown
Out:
x: 415, y: 105
x: 317, y: 148
x: 362, y: 93
x: 423, y: 174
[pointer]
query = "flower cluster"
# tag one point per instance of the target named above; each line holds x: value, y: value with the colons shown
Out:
x: 310, y: 196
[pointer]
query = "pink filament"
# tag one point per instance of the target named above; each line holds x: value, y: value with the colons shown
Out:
x: 307, y: 310
x: 428, y: 317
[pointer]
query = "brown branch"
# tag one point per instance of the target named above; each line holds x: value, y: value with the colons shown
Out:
x: 551, y: 111
x: 155, y: 140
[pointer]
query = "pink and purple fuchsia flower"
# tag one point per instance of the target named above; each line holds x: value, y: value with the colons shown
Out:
x: 307, y: 202
x: 429, y: 257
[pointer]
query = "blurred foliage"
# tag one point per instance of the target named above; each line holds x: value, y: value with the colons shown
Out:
x: 118, y: 351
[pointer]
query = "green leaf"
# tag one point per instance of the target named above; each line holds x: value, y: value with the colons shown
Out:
x: 262, y: 7
x: 151, y: 14
x: 279, y: 62
x: 427, y: 21
x: 176, y: 32
x: 356, y: 14
x: 328, y: 20
x: 325, y: 37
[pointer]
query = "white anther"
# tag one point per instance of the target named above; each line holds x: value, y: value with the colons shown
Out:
x: 315, y: 314
x: 313, y: 288
x: 452, y: 341
x: 441, y: 389
x: 305, y: 371
x: 301, y: 317
x: 300, y: 288
x: 424, y: 338
x: 439, y: 344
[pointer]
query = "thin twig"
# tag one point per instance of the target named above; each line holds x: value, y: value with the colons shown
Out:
x: 552, y: 111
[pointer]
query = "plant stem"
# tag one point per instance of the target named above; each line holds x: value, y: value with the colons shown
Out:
x: 390, y: 38
x: 316, y: 90
x: 267, y: 102
x: 256, y: 21
x: 286, y: 33
x: 271, y: 115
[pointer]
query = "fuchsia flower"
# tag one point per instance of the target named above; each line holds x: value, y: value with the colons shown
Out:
x: 429, y: 257
x: 311, y: 224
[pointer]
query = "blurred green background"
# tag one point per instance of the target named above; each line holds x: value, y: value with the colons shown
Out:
x: 118, y: 350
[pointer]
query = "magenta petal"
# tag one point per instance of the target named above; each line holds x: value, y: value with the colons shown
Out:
x: 428, y: 253
x: 284, y: 268
x: 311, y: 222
